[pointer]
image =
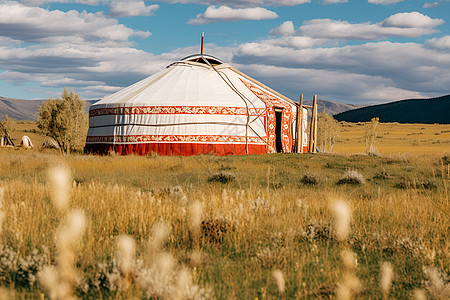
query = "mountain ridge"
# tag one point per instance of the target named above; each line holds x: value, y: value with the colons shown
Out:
x: 424, y: 111
x: 331, y: 107
x: 25, y: 110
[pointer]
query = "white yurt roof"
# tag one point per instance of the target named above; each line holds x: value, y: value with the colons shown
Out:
x: 190, y: 81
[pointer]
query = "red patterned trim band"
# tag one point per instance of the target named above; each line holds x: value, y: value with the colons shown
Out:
x: 173, y: 139
x: 180, y: 110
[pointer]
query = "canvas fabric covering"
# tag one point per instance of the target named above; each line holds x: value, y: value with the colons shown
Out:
x: 190, y: 108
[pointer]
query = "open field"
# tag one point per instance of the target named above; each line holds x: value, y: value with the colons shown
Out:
x: 395, y: 138
x: 218, y: 227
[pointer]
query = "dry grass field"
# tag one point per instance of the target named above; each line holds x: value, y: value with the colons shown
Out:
x: 395, y: 138
x: 335, y: 226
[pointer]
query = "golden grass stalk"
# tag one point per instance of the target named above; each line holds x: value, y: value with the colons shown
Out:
x: 386, y: 278
x: 195, y: 212
x: 342, y: 216
x: 68, y: 235
x: 60, y: 281
x: 182, y: 285
x: 126, y: 250
x: 1, y: 210
x: 160, y: 233
x: 436, y: 286
x: 279, y: 280
x: 350, y: 283
x: 59, y: 178
x: 126, y: 254
x: 419, y: 295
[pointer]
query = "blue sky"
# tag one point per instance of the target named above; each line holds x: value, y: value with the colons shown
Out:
x: 349, y: 51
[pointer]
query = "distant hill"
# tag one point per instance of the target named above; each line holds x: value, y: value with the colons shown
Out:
x: 426, y: 111
x: 25, y: 110
x: 331, y: 107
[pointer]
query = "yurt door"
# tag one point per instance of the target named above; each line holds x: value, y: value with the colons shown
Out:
x: 278, y: 126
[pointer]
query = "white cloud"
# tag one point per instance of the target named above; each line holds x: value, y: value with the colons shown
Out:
x: 353, y: 73
x: 399, y: 25
x: 339, y: 85
x: 384, y: 2
x: 411, y: 20
x: 34, y: 24
x: 131, y: 8
x: 92, y: 69
x: 40, y: 2
x: 431, y: 4
x: 242, y: 3
x: 5, y: 41
x: 70, y: 48
x: 441, y: 43
x: 296, y: 42
x: 228, y: 14
x: 117, y: 8
x: 334, y: 1
x: 78, y: 65
x: 284, y: 29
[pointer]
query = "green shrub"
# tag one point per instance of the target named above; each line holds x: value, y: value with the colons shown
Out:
x: 222, y: 177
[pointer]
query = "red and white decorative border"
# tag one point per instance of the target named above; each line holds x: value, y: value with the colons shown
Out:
x: 178, y: 110
x: 173, y: 139
x: 272, y: 102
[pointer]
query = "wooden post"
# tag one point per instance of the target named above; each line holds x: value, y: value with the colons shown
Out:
x: 315, y: 123
x: 298, y: 146
x: 312, y: 127
x: 311, y: 130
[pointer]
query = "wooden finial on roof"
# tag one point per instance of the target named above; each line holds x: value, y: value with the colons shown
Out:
x: 203, y: 38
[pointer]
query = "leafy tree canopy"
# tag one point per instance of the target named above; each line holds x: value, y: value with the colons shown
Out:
x: 64, y: 120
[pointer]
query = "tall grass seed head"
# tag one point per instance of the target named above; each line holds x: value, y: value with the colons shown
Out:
x: 279, y: 280
x: 343, y: 292
x: 182, y: 284
x: 342, y: 216
x: 196, y: 211
x: 419, y: 295
x: 59, y: 178
x: 386, y: 277
x: 1, y: 209
x: 56, y: 289
x: 437, y: 284
x: 160, y: 233
x: 350, y: 259
x: 165, y: 264
x: 74, y: 228
x: 127, y: 249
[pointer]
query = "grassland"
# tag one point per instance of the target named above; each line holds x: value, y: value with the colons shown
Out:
x: 231, y: 221
x: 395, y: 138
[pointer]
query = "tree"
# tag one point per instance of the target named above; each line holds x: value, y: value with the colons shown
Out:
x: 9, y: 124
x: 371, y: 135
x: 6, y: 128
x: 64, y: 120
x: 328, y: 132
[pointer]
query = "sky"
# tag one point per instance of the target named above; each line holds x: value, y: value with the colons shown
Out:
x: 348, y: 51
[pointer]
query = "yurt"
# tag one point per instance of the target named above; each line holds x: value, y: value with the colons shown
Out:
x: 199, y: 104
